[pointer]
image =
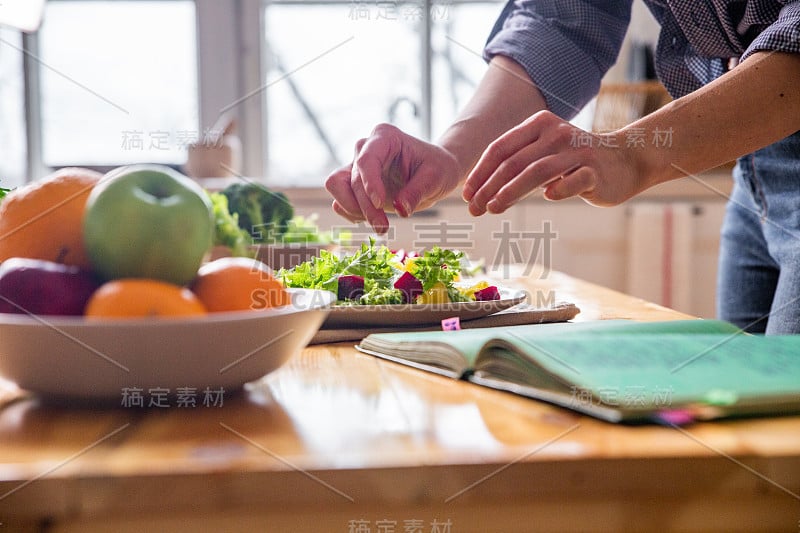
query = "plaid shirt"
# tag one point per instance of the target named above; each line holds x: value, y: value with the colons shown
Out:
x: 566, y: 46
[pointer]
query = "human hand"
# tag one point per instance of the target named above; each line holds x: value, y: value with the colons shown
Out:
x: 549, y: 152
x: 392, y: 171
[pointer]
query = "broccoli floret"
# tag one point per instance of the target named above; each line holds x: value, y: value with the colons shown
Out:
x: 226, y: 227
x: 263, y: 213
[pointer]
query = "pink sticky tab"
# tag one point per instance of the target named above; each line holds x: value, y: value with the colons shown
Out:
x: 677, y: 417
x: 451, y: 324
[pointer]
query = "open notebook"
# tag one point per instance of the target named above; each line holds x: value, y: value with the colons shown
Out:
x: 671, y: 372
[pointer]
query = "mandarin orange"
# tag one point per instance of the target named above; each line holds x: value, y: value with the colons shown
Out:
x: 139, y: 297
x: 44, y: 219
x: 238, y: 284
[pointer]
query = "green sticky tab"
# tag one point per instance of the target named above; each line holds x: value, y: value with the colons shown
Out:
x: 720, y: 397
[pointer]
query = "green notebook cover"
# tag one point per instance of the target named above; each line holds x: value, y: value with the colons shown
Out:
x: 672, y: 372
x: 672, y: 377
x: 453, y: 353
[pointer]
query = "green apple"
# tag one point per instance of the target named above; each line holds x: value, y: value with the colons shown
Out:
x: 148, y: 221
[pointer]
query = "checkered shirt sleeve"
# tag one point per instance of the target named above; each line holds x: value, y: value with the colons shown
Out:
x: 566, y: 47
x: 783, y: 35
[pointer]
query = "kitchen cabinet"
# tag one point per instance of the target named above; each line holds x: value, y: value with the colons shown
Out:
x: 671, y: 255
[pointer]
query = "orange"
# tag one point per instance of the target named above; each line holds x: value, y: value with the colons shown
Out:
x: 139, y: 297
x: 238, y: 284
x: 44, y: 219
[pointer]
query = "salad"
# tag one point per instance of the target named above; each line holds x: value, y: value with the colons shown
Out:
x: 376, y: 275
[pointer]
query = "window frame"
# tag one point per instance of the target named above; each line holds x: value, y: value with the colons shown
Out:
x: 231, y: 46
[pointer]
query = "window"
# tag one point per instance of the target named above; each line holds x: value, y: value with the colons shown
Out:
x: 356, y: 73
x: 458, y: 37
x: 113, y: 82
x: 370, y: 62
x: 12, y: 110
x: 118, y: 82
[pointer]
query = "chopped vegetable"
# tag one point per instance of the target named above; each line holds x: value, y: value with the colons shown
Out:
x: 372, y: 263
x: 3, y: 192
x: 410, y: 286
x: 438, y: 294
x: 263, y: 213
x: 350, y: 287
x: 469, y: 292
x: 435, y: 265
x: 488, y: 293
x: 381, y: 296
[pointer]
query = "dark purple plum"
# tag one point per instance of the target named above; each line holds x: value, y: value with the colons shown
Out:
x: 34, y: 286
x: 410, y: 286
x: 351, y: 287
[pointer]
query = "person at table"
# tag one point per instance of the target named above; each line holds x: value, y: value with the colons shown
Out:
x: 546, y: 61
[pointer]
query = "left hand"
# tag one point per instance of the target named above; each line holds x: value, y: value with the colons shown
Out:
x: 549, y: 152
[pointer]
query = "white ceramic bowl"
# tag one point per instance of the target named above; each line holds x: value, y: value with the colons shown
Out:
x: 76, y: 358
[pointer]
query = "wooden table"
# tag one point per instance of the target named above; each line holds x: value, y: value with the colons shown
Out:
x: 336, y: 441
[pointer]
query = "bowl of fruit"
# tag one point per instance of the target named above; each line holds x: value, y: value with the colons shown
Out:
x: 106, y: 287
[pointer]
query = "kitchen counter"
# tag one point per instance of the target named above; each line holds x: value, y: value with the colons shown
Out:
x: 336, y: 440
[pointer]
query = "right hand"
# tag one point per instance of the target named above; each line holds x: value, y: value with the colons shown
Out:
x: 392, y: 171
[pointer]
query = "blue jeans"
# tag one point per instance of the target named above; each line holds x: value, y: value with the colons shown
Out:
x: 758, y: 285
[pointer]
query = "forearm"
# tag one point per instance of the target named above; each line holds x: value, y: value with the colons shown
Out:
x: 752, y: 106
x: 504, y: 98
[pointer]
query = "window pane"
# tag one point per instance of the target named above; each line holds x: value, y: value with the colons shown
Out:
x: 12, y: 110
x: 458, y: 37
x: 324, y: 93
x: 459, y: 34
x: 119, y: 82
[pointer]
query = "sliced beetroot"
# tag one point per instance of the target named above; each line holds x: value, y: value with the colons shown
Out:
x: 410, y: 286
x: 351, y: 287
x: 489, y: 293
